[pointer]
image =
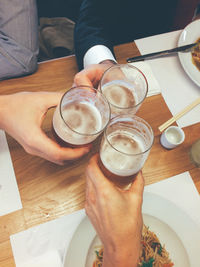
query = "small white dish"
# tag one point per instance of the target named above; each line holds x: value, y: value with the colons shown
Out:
x: 172, y: 137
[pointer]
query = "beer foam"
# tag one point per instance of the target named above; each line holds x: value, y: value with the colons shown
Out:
x: 120, y: 94
x: 125, y: 158
x: 83, y: 118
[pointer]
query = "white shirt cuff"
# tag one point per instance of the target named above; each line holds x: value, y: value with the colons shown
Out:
x: 96, y: 54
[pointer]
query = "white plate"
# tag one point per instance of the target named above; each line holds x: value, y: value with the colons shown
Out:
x: 174, y: 228
x: 189, y: 35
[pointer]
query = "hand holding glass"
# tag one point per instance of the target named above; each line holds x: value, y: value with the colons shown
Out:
x: 125, y: 146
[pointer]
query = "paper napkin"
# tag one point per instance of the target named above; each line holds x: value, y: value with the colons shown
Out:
x: 180, y: 190
x: 153, y: 85
x: 177, y: 88
x: 45, y: 245
x: 9, y: 194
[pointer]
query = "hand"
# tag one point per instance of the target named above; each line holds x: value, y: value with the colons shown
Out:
x: 116, y: 215
x: 92, y: 74
x: 21, y: 116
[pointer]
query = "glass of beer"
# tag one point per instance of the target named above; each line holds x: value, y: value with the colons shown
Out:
x: 81, y: 116
x: 125, y: 88
x: 125, y: 147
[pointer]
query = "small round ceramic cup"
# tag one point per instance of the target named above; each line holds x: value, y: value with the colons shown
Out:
x: 172, y: 137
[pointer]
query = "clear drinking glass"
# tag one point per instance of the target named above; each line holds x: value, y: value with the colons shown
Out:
x: 194, y: 153
x: 125, y: 147
x: 81, y: 116
x: 125, y: 88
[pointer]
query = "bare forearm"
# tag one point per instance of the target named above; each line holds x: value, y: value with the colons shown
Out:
x: 126, y: 254
x: 119, y: 260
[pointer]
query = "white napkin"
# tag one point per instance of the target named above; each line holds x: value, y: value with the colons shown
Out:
x: 48, y: 259
x: 45, y: 245
x: 153, y: 85
x: 177, y: 88
x: 181, y: 190
x: 9, y: 194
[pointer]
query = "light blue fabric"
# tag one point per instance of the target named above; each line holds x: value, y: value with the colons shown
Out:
x: 18, y: 38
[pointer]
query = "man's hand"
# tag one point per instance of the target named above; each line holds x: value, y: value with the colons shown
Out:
x: 116, y: 215
x: 92, y: 74
x: 21, y: 116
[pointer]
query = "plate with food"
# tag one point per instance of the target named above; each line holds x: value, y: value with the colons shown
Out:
x: 190, y: 61
x: 170, y: 238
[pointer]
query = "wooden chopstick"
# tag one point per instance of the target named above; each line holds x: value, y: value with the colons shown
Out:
x: 179, y: 115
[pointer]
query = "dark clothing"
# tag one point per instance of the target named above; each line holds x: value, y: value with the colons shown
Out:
x: 56, y: 27
x: 112, y: 22
x: 59, y: 8
x: 56, y: 38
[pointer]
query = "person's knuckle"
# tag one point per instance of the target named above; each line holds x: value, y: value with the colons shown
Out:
x: 77, y: 78
x: 91, y: 198
x: 28, y: 149
x: 56, y: 157
x: 29, y: 145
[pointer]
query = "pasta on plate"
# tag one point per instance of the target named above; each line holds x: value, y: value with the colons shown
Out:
x: 196, y: 55
x: 152, y: 254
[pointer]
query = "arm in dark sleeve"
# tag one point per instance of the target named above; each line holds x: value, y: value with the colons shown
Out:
x: 18, y: 38
x: 113, y: 22
x: 92, y: 28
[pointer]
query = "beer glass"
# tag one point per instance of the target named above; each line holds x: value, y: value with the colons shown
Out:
x: 125, y: 147
x: 125, y: 88
x: 81, y: 116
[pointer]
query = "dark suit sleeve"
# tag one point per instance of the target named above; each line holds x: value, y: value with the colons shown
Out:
x: 91, y: 28
x: 113, y: 22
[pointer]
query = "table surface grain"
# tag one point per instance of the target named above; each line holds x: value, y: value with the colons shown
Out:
x: 49, y: 191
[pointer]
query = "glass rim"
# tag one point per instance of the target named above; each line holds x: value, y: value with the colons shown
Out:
x: 97, y: 92
x: 129, y: 117
x: 133, y: 67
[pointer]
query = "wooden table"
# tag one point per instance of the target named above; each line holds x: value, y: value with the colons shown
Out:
x: 49, y: 191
